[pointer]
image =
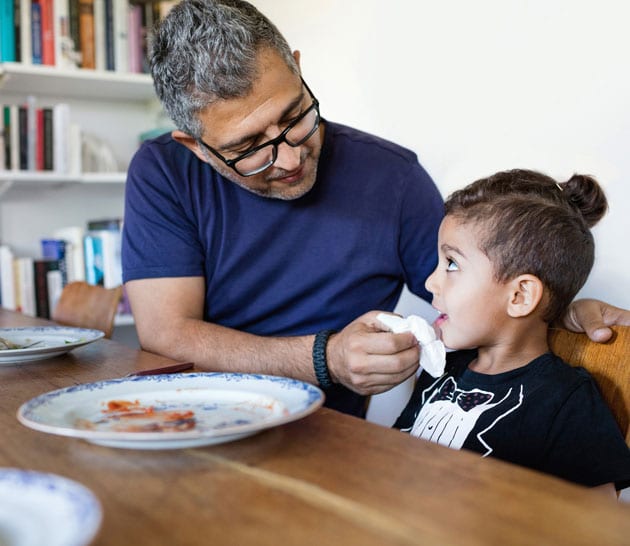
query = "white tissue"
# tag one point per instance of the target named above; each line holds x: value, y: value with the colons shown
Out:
x: 432, y: 353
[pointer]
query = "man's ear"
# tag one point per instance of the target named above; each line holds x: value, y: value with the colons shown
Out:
x: 525, y: 294
x: 296, y: 56
x: 190, y: 143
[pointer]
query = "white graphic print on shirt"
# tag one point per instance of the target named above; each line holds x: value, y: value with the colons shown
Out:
x: 450, y: 414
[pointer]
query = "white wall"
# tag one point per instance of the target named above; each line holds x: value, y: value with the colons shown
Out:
x: 478, y: 87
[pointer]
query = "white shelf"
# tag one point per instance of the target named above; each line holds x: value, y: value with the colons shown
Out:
x: 54, y: 178
x: 78, y: 83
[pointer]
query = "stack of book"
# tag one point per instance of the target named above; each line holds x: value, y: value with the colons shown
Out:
x: 33, y: 285
x: 93, y: 34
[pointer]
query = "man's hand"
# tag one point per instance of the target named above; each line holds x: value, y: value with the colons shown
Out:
x: 594, y: 317
x: 368, y: 360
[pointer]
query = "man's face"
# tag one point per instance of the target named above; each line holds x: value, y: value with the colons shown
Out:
x: 234, y: 126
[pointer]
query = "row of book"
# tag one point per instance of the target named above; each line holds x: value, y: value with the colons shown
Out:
x: 43, y: 138
x: 93, y: 34
x: 33, y: 285
x: 38, y: 138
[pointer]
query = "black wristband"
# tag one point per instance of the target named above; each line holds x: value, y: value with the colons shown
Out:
x: 319, y: 359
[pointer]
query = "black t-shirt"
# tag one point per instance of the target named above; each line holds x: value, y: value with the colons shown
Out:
x: 546, y: 415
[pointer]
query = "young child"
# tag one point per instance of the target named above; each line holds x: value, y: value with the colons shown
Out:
x: 514, y: 249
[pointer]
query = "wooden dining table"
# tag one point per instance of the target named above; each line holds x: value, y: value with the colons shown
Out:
x: 325, y: 479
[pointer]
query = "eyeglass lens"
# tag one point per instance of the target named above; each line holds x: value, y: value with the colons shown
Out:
x: 298, y: 134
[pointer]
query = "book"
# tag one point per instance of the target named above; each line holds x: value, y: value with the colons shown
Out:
x: 17, y: 8
x: 48, y: 32
x: 41, y: 267
x: 14, y: 136
x: 26, y: 50
x: 86, y: 33
x: 3, y: 148
x: 100, y: 62
x: 31, y: 131
x: 65, y: 54
x: 36, y: 31
x: 55, y: 249
x: 54, y: 286
x: 73, y: 237
x: 73, y: 29
x: 39, y: 141
x: 61, y: 137
x: 6, y: 123
x: 48, y: 143
x: 135, y: 38
x: 25, y: 285
x: 121, y: 37
x: 7, y: 31
x: 23, y: 136
x: 7, y: 282
x: 100, y: 224
x: 110, y: 58
x: 102, y: 257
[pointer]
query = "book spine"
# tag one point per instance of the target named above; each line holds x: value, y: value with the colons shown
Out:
x: 73, y: 29
x: 100, y: 61
x: 31, y: 131
x: 7, y: 281
x: 23, y: 136
x: 7, y: 31
x: 39, y: 145
x: 93, y: 256
x: 26, y: 49
x: 121, y: 37
x: 41, y: 267
x: 135, y: 38
x: 36, y: 31
x: 6, y: 121
x: 55, y: 249
x: 25, y: 286
x: 65, y: 56
x: 17, y: 8
x: 15, y: 137
x: 48, y: 32
x: 86, y: 33
x: 48, y: 139
x: 3, y: 144
x: 54, y: 286
x: 61, y: 137
x: 110, y: 58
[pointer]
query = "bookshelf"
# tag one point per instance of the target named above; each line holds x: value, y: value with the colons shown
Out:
x: 116, y: 108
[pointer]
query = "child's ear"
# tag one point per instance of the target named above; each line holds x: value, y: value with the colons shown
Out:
x: 526, y: 292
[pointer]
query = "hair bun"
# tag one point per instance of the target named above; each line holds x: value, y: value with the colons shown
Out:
x: 584, y: 193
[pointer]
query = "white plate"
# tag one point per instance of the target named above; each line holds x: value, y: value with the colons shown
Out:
x: 171, y: 411
x: 53, y: 341
x: 38, y: 508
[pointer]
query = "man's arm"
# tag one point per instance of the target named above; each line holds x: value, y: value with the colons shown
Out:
x: 594, y: 317
x: 168, y: 313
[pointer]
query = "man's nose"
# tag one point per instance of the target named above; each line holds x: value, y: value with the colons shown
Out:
x: 288, y: 157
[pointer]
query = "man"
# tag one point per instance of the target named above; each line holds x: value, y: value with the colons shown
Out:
x: 257, y: 229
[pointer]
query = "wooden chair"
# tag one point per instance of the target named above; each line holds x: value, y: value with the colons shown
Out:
x: 608, y: 363
x: 88, y: 306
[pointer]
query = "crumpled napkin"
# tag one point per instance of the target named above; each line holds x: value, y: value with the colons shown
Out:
x: 433, y: 352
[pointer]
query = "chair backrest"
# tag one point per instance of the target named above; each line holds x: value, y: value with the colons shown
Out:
x: 88, y: 306
x: 608, y: 363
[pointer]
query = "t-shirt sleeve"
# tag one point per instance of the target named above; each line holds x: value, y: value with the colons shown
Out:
x: 159, y: 238
x: 585, y: 443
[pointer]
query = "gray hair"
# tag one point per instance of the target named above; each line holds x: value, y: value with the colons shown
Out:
x: 204, y: 51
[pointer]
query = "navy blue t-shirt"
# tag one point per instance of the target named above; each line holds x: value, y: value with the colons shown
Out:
x: 285, y: 268
x: 546, y: 415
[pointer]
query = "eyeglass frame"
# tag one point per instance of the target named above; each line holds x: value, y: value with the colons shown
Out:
x: 274, y: 142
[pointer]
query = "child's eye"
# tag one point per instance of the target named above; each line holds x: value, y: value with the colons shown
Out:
x: 451, y: 265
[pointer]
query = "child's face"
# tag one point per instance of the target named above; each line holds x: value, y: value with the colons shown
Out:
x: 471, y: 302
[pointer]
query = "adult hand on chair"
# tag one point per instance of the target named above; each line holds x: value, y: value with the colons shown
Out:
x: 594, y: 318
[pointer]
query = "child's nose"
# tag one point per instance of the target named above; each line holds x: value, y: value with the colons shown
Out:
x: 431, y: 282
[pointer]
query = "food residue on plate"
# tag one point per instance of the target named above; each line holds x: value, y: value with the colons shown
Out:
x: 132, y: 416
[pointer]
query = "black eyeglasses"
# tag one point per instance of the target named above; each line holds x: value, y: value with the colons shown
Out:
x: 263, y: 156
